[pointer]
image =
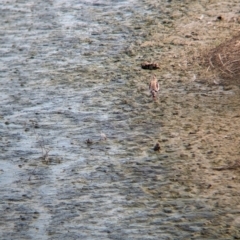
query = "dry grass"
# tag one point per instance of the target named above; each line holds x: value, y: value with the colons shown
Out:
x: 199, y: 44
x: 224, y: 60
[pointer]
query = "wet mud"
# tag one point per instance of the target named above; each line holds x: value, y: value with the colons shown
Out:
x: 78, y: 126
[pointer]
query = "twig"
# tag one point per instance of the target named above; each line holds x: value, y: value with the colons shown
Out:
x: 41, y: 142
x: 219, y: 55
x: 232, y: 167
x: 45, y: 151
x: 210, y: 61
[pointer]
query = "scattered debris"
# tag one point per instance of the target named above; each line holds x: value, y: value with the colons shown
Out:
x: 150, y: 66
x: 157, y: 147
x: 45, y: 156
x: 89, y: 141
x: 201, y: 17
x: 233, y: 166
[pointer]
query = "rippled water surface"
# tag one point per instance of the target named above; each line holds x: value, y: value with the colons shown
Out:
x: 70, y: 76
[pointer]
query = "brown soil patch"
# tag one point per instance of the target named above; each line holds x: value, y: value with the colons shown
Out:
x: 195, y: 34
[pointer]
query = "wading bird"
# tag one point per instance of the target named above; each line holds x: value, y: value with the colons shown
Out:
x: 154, y: 86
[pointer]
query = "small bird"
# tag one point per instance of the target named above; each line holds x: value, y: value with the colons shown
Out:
x: 157, y: 147
x: 154, y: 86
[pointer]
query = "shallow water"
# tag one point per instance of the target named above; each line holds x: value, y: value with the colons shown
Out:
x: 70, y: 73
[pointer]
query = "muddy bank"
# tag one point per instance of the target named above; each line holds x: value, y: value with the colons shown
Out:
x: 70, y: 73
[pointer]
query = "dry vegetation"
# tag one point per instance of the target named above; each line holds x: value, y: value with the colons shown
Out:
x: 225, y: 60
x: 201, y: 43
